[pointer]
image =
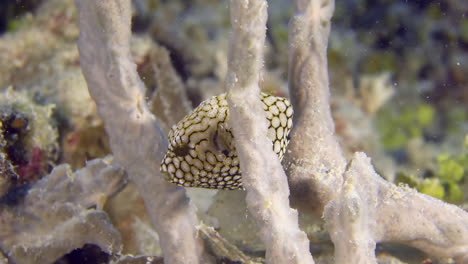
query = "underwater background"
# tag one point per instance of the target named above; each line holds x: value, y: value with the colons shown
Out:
x: 399, y: 92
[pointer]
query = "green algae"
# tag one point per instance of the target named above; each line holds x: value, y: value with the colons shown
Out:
x: 446, y: 180
x: 398, y: 127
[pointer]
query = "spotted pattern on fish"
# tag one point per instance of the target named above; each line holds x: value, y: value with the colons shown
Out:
x: 201, y: 146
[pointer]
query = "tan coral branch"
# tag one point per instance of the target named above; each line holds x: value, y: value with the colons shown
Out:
x: 262, y: 174
x: 360, y: 208
x: 136, y: 139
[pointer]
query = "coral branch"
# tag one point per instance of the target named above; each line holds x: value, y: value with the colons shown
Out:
x: 316, y: 177
x: 371, y: 210
x: 361, y: 209
x: 262, y: 174
x: 170, y: 91
x: 136, y: 139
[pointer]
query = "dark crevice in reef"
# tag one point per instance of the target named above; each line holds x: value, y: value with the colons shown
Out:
x: 88, y: 254
x: 11, y: 10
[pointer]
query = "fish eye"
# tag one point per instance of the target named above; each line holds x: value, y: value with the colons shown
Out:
x: 182, y: 150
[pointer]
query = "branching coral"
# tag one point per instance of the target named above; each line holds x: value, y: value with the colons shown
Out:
x: 360, y: 208
x: 170, y: 90
x: 263, y: 175
x: 135, y: 136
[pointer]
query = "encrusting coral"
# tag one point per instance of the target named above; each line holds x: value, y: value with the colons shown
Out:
x: 59, y: 221
x: 29, y: 137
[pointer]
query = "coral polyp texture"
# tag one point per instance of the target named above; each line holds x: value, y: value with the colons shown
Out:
x: 201, y: 146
